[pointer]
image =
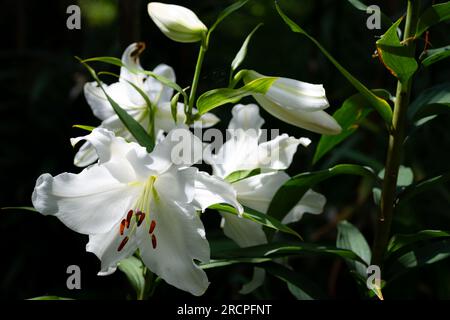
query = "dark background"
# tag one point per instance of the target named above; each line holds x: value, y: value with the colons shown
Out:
x: 41, y: 98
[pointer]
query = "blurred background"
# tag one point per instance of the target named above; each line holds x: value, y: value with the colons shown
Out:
x: 41, y: 99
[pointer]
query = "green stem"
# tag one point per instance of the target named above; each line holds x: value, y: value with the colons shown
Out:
x: 395, y: 147
x: 198, y: 69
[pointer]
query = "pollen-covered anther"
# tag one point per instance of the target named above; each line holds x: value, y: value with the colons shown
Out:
x: 122, y: 226
x: 129, y: 216
x: 152, y: 226
x: 140, y: 217
x: 154, y: 241
x: 122, y: 244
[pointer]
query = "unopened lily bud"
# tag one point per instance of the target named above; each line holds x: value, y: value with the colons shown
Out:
x: 176, y: 22
x: 298, y: 103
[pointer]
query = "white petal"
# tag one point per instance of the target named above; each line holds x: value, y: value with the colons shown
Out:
x: 179, y: 147
x: 244, y: 232
x: 278, y: 153
x: 311, y: 202
x: 178, y: 183
x: 245, y: 117
x: 180, y: 239
x: 256, y: 192
x: 105, y: 247
x: 157, y: 92
x: 259, y: 275
x: 97, y: 101
x: 113, y: 153
x: 318, y: 121
x: 240, y: 152
x: 85, y: 156
x: 92, y: 201
x: 211, y: 190
x: 130, y: 58
x: 164, y: 120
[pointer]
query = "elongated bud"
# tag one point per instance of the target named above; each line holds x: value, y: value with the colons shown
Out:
x: 176, y: 22
x: 298, y: 103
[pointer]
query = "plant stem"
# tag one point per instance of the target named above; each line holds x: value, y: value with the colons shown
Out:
x: 395, y: 147
x: 198, y: 69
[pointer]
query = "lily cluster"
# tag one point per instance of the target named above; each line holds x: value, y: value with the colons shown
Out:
x: 131, y: 201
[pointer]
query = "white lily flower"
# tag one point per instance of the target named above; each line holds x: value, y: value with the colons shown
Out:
x: 133, y: 200
x: 298, y: 103
x: 176, y: 22
x: 244, y: 152
x: 130, y: 100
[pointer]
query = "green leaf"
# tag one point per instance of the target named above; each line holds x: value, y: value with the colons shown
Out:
x: 277, y: 250
x: 300, y: 286
x: 20, y: 208
x: 350, y: 238
x: 429, y: 253
x: 434, y: 55
x: 240, y: 56
x: 362, y: 7
x: 293, y: 190
x: 433, y: 15
x: 241, y: 174
x: 134, y: 271
x: 50, y: 298
x: 218, y: 263
x: 349, y: 116
x: 420, y: 187
x: 382, y: 106
x: 174, y: 106
x: 400, y: 241
x: 130, y: 123
x: 257, y: 217
x: 397, y: 58
x: 432, y: 101
x: 218, y: 97
x: 80, y: 126
x: 226, y: 12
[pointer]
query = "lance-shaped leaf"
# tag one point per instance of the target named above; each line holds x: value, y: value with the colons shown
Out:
x: 278, y: 250
x: 350, y: 238
x: 433, y: 15
x: 396, y: 57
x: 418, y: 256
x: 293, y: 190
x: 257, y: 217
x: 420, y: 187
x: 349, y: 116
x: 381, y: 105
x: 240, y: 56
x: 129, y: 122
x: 84, y: 127
x: 435, y: 55
x: 400, y: 241
x: 226, y: 12
x: 432, y: 101
x: 218, y: 97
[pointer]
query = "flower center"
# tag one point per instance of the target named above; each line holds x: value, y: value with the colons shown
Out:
x: 138, y: 214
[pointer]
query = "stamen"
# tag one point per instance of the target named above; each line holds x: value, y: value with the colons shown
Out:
x: 129, y: 216
x: 122, y: 226
x: 123, y: 243
x: 153, y: 241
x: 140, y: 216
x: 152, y: 226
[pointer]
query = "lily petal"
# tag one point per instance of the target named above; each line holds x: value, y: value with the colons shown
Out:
x: 277, y: 154
x: 211, y: 190
x: 179, y: 239
x: 244, y: 232
x: 245, y: 117
x: 311, y: 202
x: 256, y: 192
x: 92, y: 201
x: 318, y: 121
